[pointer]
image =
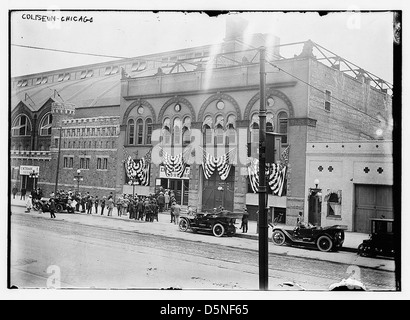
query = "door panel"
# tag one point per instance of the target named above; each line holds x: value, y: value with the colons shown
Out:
x: 372, y: 201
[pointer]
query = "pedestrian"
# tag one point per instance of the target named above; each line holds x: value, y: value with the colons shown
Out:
x: 177, y: 212
x: 14, y: 191
x: 154, y: 207
x: 83, y: 202
x: 102, y: 204
x: 125, y: 204
x: 119, y: 206
x: 140, y: 209
x: 172, y: 213
x: 96, y: 203
x: 89, y: 205
x: 29, y: 203
x: 110, y: 206
x: 245, y: 218
x: 77, y: 199
x: 147, y: 210
x: 161, y: 202
x: 52, y: 208
x: 23, y: 194
x: 166, y: 200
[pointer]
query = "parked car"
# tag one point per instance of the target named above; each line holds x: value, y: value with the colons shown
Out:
x: 218, y: 223
x: 325, y: 239
x: 381, y: 240
x: 43, y: 205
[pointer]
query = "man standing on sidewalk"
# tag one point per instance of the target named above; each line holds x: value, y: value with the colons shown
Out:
x: 14, y: 191
x: 23, y: 194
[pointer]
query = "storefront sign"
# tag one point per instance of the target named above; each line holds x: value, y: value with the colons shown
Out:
x: 173, y: 175
x: 27, y: 170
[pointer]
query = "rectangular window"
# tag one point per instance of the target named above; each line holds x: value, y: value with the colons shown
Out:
x: 334, y: 202
x: 102, y: 163
x: 68, y: 162
x: 84, y: 163
x: 105, y: 163
x: 99, y: 163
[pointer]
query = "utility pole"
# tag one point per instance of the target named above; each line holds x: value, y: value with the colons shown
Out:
x: 58, y: 163
x: 263, y: 221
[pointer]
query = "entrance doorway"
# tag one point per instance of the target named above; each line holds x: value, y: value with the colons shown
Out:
x: 315, y: 207
x: 217, y: 192
x: 180, y: 188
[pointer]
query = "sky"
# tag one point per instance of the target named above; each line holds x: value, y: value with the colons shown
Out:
x: 364, y: 38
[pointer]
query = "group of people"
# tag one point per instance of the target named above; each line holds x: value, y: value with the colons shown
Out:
x: 144, y: 208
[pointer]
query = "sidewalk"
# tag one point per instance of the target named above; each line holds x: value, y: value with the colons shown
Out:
x: 352, y: 239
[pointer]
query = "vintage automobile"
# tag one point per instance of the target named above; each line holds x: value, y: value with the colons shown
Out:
x: 325, y: 239
x: 43, y: 205
x: 381, y: 241
x: 219, y: 223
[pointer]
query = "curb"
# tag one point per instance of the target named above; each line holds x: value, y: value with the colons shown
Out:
x: 239, y: 235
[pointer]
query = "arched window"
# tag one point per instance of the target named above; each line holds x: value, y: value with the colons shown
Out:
x: 73, y: 144
x: 21, y: 126
x: 219, y: 130
x: 186, y: 131
x: 131, y: 131
x: 45, y: 125
x: 283, y: 126
x: 148, y: 131
x: 140, y: 131
x: 177, y: 131
x: 269, y: 127
x: 219, y: 134
x: 166, y: 131
x: 255, y: 133
x: 207, y: 131
x: 230, y: 128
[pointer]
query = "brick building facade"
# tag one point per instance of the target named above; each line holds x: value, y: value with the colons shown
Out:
x: 196, y: 102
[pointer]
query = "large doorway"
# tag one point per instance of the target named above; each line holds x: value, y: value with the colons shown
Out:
x: 217, y: 192
x: 315, y: 207
x: 372, y: 201
x: 180, y: 188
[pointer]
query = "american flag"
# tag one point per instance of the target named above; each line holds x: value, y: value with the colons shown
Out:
x: 275, y: 173
x: 140, y: 169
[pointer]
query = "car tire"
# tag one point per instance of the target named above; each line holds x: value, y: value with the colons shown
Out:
x: 324, y: 243
x: 218, y: 230
x: 278, y: 237
x: 59, y: 208
x: 183, y: 225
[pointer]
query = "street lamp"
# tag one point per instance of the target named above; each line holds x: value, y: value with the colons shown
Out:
x: 34, y: 175
x: 134, y: 182
x: 78, y: 178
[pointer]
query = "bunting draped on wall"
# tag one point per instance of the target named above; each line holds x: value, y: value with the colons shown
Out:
x: 138, y: 170
x: 223, y: 164
x: 175, y: 164
x: 275, y: 174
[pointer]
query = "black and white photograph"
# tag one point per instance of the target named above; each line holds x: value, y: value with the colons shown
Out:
x: 204, y: 151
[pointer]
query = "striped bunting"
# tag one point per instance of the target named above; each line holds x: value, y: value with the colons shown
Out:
x: 139, y: 170
x: 275, y: 173
x: 223, y: 164
x: 175, y: 164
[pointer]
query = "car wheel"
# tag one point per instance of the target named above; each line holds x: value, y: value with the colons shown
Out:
x: 324, y: 243
x: 278, y: 237
x: 59, y: 208
x: 218, y: 230
x: 183, y: 225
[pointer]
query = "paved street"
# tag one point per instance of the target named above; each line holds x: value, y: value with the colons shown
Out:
x: 100, y: 252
